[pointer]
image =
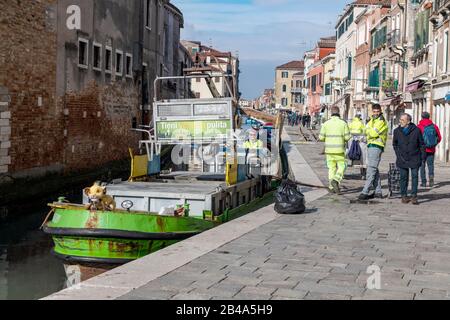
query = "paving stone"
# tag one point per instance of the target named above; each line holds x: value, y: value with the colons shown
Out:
x: 244, y: 296
x: 241, y: 280
x: 323, y: 288
x: 191, y: 296
x: 288, y: 284
x: 384, y: 295
x: 149, y: 294
x: 326, y: 296
x: 291, y: 294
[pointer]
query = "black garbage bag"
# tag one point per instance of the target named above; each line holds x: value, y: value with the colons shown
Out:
x: 289, y: 199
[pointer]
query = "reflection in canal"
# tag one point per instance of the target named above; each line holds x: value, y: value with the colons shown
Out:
x: 28, y: 270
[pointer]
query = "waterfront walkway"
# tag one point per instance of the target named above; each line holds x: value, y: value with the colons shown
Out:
x: 323, y: 254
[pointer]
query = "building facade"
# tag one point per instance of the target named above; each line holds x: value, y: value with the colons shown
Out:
x: 346, y: 52
x: 77, y: 76
x: 284, y: 75
x: 324, y: 48
x: 327, y: 98
x: 222, y: 67
x: 440, y: 79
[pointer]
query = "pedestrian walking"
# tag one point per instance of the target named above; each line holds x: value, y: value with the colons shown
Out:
x: 376, y: 135
x: 358, y: 132
x: 308, y: 121
x: 432, y: 138
x: 357, y: 127
x: 410, y: 149
x: 335, y: 133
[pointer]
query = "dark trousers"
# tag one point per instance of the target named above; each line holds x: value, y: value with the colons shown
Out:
x: 404, y: 181
x: 430, y: 163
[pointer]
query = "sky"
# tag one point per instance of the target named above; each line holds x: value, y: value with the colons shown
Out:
x: 264, y: 33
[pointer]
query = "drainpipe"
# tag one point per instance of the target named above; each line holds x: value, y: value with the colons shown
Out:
x: 141, y: 59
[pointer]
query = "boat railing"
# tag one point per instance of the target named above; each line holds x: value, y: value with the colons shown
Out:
x: 151, y: 145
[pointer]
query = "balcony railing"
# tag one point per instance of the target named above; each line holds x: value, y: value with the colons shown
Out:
x: 439, y: 4
x: 296, y: 90
x: 394, y: 38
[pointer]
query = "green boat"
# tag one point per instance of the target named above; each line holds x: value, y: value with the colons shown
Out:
x: 117, y: 237
x: 84, y: 236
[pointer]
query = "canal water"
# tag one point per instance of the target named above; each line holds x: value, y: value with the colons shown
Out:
x: 28, y: 270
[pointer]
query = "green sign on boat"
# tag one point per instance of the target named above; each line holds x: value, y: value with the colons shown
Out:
x: 195, y: 129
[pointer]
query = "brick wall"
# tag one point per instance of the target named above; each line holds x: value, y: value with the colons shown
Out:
x: 40, y: 131
x: 98, y: 125
x: 31, y: 126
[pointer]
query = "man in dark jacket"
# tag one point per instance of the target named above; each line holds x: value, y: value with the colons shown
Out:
x: 410, y: 148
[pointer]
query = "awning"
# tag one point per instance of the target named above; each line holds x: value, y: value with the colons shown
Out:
x: 391, y: 101
x: 386, y: 102
x: 447, y: 97
x: 347, y: 95
x: 414, y: 86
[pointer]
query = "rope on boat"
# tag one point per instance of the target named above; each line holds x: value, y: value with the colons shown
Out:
x: 47, y: 218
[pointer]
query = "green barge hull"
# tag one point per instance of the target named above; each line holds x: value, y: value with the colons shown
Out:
x: 118, y: 237
x: 83, y: 236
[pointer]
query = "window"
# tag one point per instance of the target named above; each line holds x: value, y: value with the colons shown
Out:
x: 314, y: 83
x: 349, y: 74
x: 284, y: 88
x: 445, y: 62
x: 350, y: 19
x: 129, y: 66
x: 83, y: 53
x: 198, y: 79
x: 119, y: 63
x: 97, y: 57
x: 284, y: 102
x: 285, y: 75
x: 374, y: 78
x: 328, y: 88
x: 148, y: 15
x: 435, y: 58
x: 421, y: 30
x: 108, y: 59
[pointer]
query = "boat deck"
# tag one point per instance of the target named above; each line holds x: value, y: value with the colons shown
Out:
x: 169, y: 188
x: 203, y: 191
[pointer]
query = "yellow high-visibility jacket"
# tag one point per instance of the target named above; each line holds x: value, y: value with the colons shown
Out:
x: 335, y: 133
x: 253, y: 145
x: 377, y: 132
x: 357, y: 127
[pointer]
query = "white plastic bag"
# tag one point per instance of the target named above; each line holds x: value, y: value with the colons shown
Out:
x: 167, y: 211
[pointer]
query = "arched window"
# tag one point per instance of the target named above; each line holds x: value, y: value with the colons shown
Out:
x: 284, y: 88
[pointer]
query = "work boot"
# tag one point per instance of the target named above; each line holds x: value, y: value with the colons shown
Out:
x: 364, y: 197
x: 414, y: 201
x: 431, y: 182
x: 335, y: 186
x: 405, y: 200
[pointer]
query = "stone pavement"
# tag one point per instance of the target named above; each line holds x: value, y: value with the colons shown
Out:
x: 325, y: 254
